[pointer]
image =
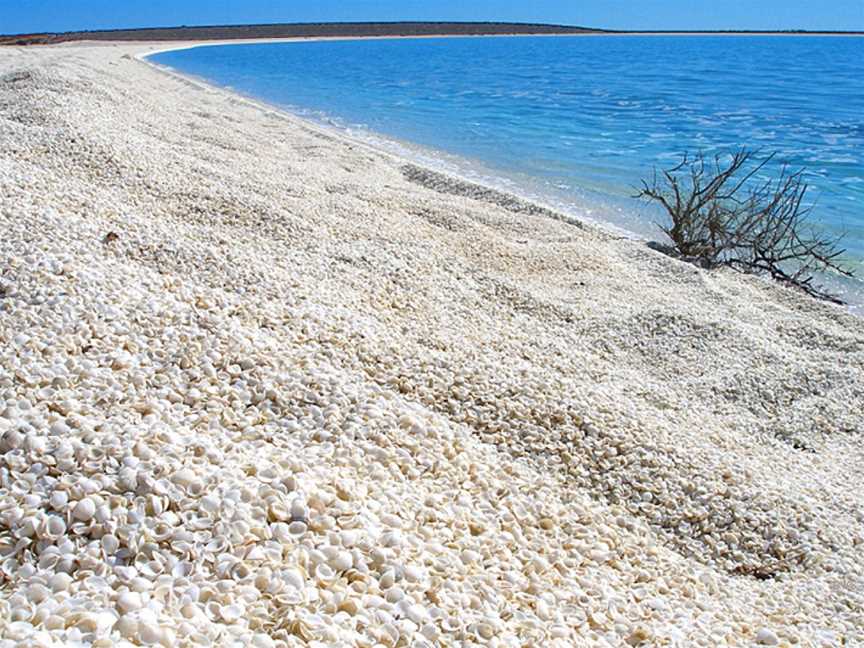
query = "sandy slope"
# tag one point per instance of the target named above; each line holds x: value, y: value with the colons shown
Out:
x: 260, y: 385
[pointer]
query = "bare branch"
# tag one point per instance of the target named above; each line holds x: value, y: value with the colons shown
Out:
x: 722, y: 214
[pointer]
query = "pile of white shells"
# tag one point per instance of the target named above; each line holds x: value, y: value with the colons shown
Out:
x: 258, y: 388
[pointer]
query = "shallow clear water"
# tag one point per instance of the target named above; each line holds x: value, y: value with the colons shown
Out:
x: 578, y: 121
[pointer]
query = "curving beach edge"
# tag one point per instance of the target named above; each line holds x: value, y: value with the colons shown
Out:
x: 262, y: 385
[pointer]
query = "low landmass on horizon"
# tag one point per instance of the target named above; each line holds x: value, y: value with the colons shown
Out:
x: 356, y: 29
x: 302, y: 30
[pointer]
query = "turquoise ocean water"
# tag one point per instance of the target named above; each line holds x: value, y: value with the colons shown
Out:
x: 576, y: 122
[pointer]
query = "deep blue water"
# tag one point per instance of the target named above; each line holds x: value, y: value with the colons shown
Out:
x: 578, y: 121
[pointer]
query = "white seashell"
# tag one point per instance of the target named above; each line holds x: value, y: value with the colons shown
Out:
x: 765, y: 637
x: 49, y: 559
x: 343, y: 561
x: 542, y: 609
x: 469, y: 557
x: 190, y: 611
x: 85, y: 622
x: 18, y: 631
x: 279, y: 511
x: 559, y: 631
x: 297, y: 528
x: 150, y: 633
x: 11, y: 440
x: 60, y: 582
x: 417, y: 613
x: 387, y: 580
x: 127, y: 626
x: 392, y: 538
x: 263, y: 580
x: 391, y: 521
x: 231, y: 613
x: 22, y: 612
x: 139, y: 584
x: 184, y: 477
x: 349, y: 538
x: 129, y: 602
x: 54, y: 622
x: 53, y: 527
x: 27, y: 527
x: 84, y: 510
x: 485, y: 630
x: 414, y: 574
x: 263, y: 641
x: 299, y: 510
x: 294, y: 579
x: 430, y: 632
x: 372, y: 601
x: 58, y: 500
x: 324, y: 573
x: 394, y: 595
x: 37, y: 593
x: 281, y: 531
x: 110, y: 543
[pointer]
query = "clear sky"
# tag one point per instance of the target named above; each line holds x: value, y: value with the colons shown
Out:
x: 18, y: 16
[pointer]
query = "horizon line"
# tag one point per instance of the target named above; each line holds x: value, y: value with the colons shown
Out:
x: 596, y: 30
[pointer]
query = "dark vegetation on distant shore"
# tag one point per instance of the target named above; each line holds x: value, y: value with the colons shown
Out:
x: 299, y: 30
x: 725, y: 212
x: 357, y: 29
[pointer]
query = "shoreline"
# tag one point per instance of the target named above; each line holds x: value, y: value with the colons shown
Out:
x: 436, y: 160
x: 181, y: 44
x: 238, y: 348
x: 400, y: 151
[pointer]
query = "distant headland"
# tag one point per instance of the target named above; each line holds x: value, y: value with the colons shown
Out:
x: 348, y: 29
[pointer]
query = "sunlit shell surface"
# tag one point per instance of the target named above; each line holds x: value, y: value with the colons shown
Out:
x: 259, y: 388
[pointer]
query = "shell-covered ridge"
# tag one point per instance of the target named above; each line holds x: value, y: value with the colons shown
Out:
x: 260, y: 386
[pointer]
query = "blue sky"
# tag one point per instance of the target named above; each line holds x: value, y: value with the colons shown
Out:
x: 17, y: 16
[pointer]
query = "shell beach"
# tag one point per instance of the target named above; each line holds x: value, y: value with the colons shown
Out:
x: 261, y: 385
